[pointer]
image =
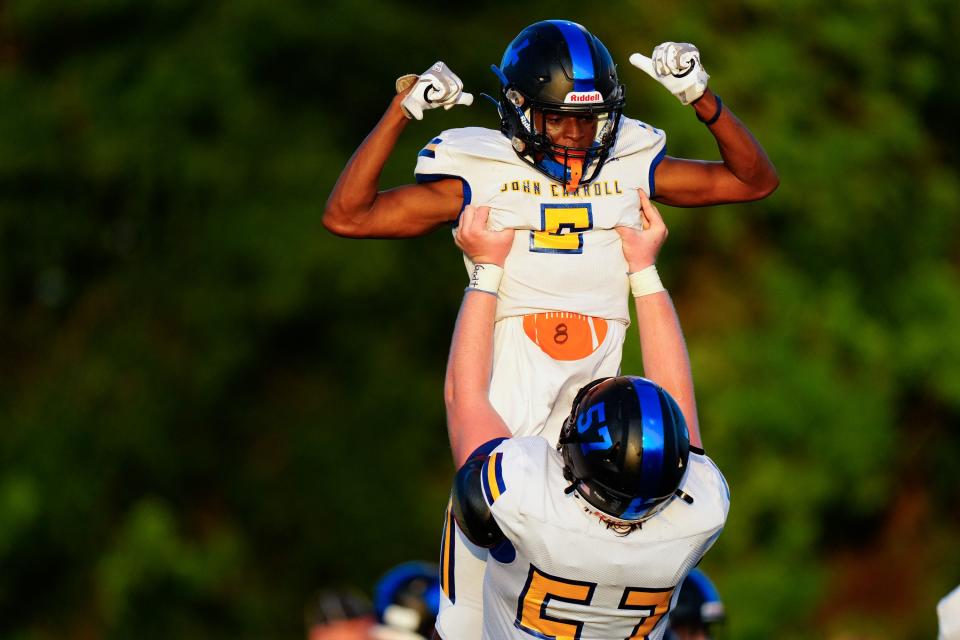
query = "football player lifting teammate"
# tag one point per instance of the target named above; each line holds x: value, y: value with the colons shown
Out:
x: 564, y: 169
x: 590, y: 538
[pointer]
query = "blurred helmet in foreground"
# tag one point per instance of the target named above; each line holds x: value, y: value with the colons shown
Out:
x: 406, y: 600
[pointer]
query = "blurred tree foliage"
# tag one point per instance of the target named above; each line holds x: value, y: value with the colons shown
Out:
x: 210, y: 407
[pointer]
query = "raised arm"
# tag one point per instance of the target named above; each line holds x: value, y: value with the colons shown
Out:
x: 357, y: 208
x: 744, y: 174
x: 664, y: 351
x: 471, y: 419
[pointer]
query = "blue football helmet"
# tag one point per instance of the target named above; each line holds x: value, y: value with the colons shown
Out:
x: 625, y: 447
x: 557, y: 66
x: 407, y: 598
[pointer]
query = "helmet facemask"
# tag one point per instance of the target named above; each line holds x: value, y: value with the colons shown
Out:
x: 620, y: 508
x: 523, y: 121
x: 558, y: 67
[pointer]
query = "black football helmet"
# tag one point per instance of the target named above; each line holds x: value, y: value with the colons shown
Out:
x: 557, y: 66
x: 625, y: 447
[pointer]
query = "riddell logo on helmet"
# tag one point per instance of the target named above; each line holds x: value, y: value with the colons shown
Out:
x: 583, y: 96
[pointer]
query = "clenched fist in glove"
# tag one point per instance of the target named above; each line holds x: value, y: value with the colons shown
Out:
x: 675, y: 65
x: 438, y: 86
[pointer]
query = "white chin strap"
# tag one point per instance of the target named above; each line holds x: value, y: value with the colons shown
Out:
x: 606, y: 517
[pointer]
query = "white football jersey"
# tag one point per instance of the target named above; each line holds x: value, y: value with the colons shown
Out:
x: 563, y: 574
x: 566, y: 256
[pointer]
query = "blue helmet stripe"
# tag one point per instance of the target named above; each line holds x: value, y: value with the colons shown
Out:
x: 652, y: 416
x: 580, y: 57
x: 636, y: 508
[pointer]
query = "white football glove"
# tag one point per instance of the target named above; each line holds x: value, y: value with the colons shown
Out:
x: 438, y: 86
x: 675, y: 65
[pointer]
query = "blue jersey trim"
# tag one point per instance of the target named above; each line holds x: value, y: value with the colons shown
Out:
x: 423, y: 178
x: 485, y: 484
x: 429, y: 150
x: 447, y: 555
x: 498, y: 472
x: 504, y: 553
x: 486, y: 448
x: 580, y: 57
x: 492, y: 492
x: 653, y: 168
x: 484, y: 451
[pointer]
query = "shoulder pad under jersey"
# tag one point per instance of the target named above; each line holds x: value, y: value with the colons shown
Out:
x: 462, y: 153
x: 471, y: 505
x: 638, y: 137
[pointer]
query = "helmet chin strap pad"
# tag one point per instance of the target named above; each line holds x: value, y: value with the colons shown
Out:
x: 576, y: 172
x: 567, y: 171
x: 558, y: 66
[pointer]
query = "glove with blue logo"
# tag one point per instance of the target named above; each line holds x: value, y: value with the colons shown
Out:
x: 438, y: 86
x: 675, y: 65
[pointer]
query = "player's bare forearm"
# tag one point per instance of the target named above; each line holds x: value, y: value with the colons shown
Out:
x: 745, y: 173
x: 471, y: 419
x: 664, y: 353
x: 357, y: 208
x: 742, y: 155
x: 356, y: 190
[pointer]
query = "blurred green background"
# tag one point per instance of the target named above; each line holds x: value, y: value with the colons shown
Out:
x: 211, y: 407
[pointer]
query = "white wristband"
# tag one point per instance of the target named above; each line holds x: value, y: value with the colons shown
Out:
x: 486, y: 278
x: 645, y: 282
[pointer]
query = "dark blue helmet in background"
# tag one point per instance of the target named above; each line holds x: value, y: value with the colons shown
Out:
x: 407, y: 598
x: 698, y: 607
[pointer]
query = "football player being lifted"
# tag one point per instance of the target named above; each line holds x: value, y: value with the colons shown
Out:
x: 589, y: 538
x: 564, y: 169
